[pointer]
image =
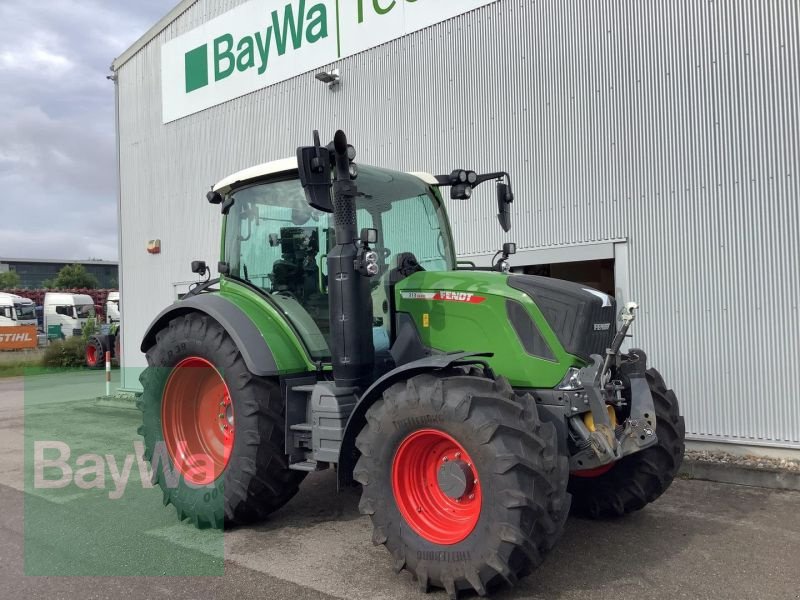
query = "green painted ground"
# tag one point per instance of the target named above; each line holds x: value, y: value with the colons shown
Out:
x: 77, y: 528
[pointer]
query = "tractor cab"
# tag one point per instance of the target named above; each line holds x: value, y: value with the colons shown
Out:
x: 276, y: 242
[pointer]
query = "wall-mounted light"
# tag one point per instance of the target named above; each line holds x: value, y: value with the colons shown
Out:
x: 154, y: 247
x: 332, y: 78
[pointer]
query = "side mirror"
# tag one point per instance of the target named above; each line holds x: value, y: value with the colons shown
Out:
x: 369, y: 236
x: 199, y: 267
x: 314, y: 164
x: 504, y: 199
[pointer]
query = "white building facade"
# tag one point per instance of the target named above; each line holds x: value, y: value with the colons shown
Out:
x: 654, y: 148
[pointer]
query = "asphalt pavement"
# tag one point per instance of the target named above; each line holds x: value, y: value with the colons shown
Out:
x: 700, y: 540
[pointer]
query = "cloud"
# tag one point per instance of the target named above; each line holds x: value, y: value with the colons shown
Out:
x: 57, y: 146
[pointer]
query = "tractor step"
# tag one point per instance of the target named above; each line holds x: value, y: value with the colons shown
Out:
x: 308, y: 466
x: 301, y: 427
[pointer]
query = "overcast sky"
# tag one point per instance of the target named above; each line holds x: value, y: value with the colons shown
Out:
x: 57, y: 147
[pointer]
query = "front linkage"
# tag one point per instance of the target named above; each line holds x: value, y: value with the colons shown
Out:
x: 607, y: 441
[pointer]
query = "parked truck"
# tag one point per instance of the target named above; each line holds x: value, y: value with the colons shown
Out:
x: 112, y: 307
x: 66, y: 314
x: 16, y: 310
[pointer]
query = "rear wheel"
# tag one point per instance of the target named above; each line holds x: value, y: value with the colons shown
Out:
x: 95, y: 356
x: 464, y: 484
x: 638, y: 479
x: 213, y: 431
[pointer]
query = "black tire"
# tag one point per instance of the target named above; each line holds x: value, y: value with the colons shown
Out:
x: 118, y: 349
x: 522, y: 476
x: 640, y: 478
x: 96, y: 360
x: 256, y: 480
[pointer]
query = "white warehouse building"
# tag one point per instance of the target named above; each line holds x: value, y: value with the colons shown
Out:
x: 654, y: 149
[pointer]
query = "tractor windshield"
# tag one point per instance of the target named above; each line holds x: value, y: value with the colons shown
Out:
x: 275, y: 241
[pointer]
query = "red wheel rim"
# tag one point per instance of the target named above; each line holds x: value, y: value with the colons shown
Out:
x: 197, y: 420
x: 91, y: 355
x: 592, y: 473
x: 417, y: 470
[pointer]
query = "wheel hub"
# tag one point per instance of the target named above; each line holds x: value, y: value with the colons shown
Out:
x: 225, y: 415
x: 436, y: 487
x: 197, y: 420
x: 455, y: 478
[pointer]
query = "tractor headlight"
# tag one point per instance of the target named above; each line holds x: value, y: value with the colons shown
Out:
x: 571, y: 381
x: 368, y: 263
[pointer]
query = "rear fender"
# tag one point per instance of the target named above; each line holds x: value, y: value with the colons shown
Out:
x: 255, y: 349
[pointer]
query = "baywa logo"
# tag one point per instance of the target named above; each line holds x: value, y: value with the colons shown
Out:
x: 293, y: 26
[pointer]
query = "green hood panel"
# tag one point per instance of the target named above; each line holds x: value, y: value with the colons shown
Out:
x: 466, y: 310
x: 283, y: 341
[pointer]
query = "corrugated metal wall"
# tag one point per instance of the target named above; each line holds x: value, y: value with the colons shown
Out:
x: 671, y: 124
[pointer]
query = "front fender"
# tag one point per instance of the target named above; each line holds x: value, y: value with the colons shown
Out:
x: 358, y: 418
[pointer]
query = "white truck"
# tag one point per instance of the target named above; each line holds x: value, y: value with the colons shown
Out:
x: 16, y: 310
x: 70, y: 311
x: 112, y: 307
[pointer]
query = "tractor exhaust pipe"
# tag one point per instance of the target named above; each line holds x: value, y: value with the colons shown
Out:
x: 352, y: 349
x: 353, y: 352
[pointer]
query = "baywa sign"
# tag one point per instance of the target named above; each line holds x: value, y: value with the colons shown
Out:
x: 263, y: 42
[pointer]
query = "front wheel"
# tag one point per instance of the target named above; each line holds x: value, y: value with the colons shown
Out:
x: 640, y: 478
x: 464, y: 485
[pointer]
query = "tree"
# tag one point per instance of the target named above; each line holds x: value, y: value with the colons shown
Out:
x: 73, y: 277
x: 9, y: 280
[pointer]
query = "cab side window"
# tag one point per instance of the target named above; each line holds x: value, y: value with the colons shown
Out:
x: 275, y: 241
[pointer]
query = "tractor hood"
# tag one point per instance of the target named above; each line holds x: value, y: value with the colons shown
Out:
x: 535, y: 327
x: 584, y: 319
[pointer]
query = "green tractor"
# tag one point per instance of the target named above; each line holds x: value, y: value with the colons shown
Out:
x: 475, y: 407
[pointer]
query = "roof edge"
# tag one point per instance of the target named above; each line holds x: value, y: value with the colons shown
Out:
x: 151, y: 33
x: 59, y: 261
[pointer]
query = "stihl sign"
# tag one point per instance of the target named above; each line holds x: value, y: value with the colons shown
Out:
x: 17, y: 338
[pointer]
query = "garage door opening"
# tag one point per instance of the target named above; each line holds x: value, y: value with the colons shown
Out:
x: 597, y: 274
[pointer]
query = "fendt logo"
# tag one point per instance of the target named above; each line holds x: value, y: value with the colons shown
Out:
x: 293, y: 25
x: 444, y: 296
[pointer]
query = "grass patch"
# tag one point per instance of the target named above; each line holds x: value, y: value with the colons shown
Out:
x: 20, y: 368
x: 57, y: 355
x: 65, y: 354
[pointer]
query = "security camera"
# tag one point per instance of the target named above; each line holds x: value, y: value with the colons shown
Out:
x: 332, y: 78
